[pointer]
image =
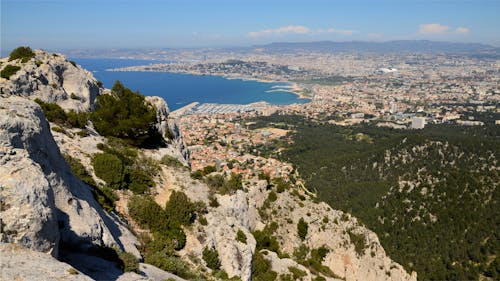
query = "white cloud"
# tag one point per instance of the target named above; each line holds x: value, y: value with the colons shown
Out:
x: 375, y: 35
x: 433, y: 28
x: 462, y: 30
x: 336, y: 31
x: 285, y: 29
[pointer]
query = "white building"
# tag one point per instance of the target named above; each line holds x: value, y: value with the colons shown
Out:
x: 418, y: 122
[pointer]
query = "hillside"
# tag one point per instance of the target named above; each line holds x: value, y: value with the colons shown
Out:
x: 431, y: 195
x: 100, y: 187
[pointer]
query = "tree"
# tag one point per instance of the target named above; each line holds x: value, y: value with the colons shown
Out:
x: 179, y: 208
x: 125, y: 114
x: 23, y: 53
x: 211, y: 258
x: 302, y: 228
x: 109, y: 168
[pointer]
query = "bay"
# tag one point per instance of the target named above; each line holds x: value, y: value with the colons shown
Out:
x: 182, y: 89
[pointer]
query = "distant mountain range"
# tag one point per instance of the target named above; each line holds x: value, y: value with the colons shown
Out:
x: 400, y: 46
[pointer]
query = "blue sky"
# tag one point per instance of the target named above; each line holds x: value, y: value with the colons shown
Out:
x: 68, y: 24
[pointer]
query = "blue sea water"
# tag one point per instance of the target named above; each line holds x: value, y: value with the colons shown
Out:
x: 182, y: 89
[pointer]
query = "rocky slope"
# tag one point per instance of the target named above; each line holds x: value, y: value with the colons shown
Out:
x: 43, y: 203
x: 45, y: 208
x: 53, y: 79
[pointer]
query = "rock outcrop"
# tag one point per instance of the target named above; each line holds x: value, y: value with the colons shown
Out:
x: 53, y: 79
x: 168, y: 129
x: 43, y: 203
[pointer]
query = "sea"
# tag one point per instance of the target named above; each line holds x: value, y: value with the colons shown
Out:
x: 182, y: 89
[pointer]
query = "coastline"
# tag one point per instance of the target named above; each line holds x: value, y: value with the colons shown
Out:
x: 292, y: 87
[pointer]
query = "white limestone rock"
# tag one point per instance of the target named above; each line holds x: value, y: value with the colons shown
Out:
x: 18, y: 263
x: 47, y: 182
x: 223, y: 224
x: 51, y: 78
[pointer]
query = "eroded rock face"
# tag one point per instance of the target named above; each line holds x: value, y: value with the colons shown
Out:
x: 167, y: 127
x: 223, y: 224
x: 35, y: 178
x: 53, y: 79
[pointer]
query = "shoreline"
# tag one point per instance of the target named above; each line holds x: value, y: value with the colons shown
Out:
x: 293, y: 87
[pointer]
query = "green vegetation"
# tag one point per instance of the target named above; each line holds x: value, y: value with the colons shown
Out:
x: 359, y: 241
x: 240, y: 236
x: 171, y: 161
x: 54, y: 113
x: 23, y: 53
x: 103, y: 195
x: 297, y: 274
x: 211, y: 258
x: 109, y: 168
x: 125, y: 114
x: 218, y: 184
x: 262, y: 269
x: 265, y: 238
x: 9, y: 70
x: 445, y: 227
x: 121, y: 167
x: 130, y: 263
x: 302, y: 228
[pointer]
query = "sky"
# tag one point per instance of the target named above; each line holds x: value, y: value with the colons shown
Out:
x: 94, y: 24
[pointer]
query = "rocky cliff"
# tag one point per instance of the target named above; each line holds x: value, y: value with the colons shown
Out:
x: 43, y: 204
x: 53, y: 79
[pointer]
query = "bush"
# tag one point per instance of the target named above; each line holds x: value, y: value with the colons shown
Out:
x: 79, y: 170
x: 240, y: 236
x: 148, y: 214
x: 297, y: 273
x: 109, y: 168
x: 211, y: 258
x: 302, y: 228
x: 130, y: 263
x: 359, y: 241
x: 125, y: 114
x: 9, y: 70
x: 73, y: 63
x: 171, y: 161
x: 262, y: 269
x: 272, y: 196
x: 179, y: 208
x: 170, y: 264
x: 265, y: 240
x: 138, y: 181
x: 54, y: 113
x: 23, y: 53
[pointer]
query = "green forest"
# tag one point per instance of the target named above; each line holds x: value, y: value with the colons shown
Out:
x: 431, y: 195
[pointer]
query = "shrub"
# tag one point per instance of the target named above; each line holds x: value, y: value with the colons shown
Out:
x: 171, y: 161
x: 109, y: 168
x: 179, y: 208
x: 77, y: 120
x: 265, y: 240
x: 73, y: 96
x: 54, y: 113
x: 72, y: 271
x: 23, y: 53
x: 125, y: 114
x: 359, y: 241
x: 73, y: 63
x: 9, y: 70
x: 302, y: 228
x: 262, y: 269
x: 297, y: 273
x: 272, y: 196
x: 170, y: 264
x: 148, y: 214
x: 130, y: 263
x: 211, y: 258
x: 213, y: 201
x: 240, y: 236
x: 79, y: 170
x: 138, y: 181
